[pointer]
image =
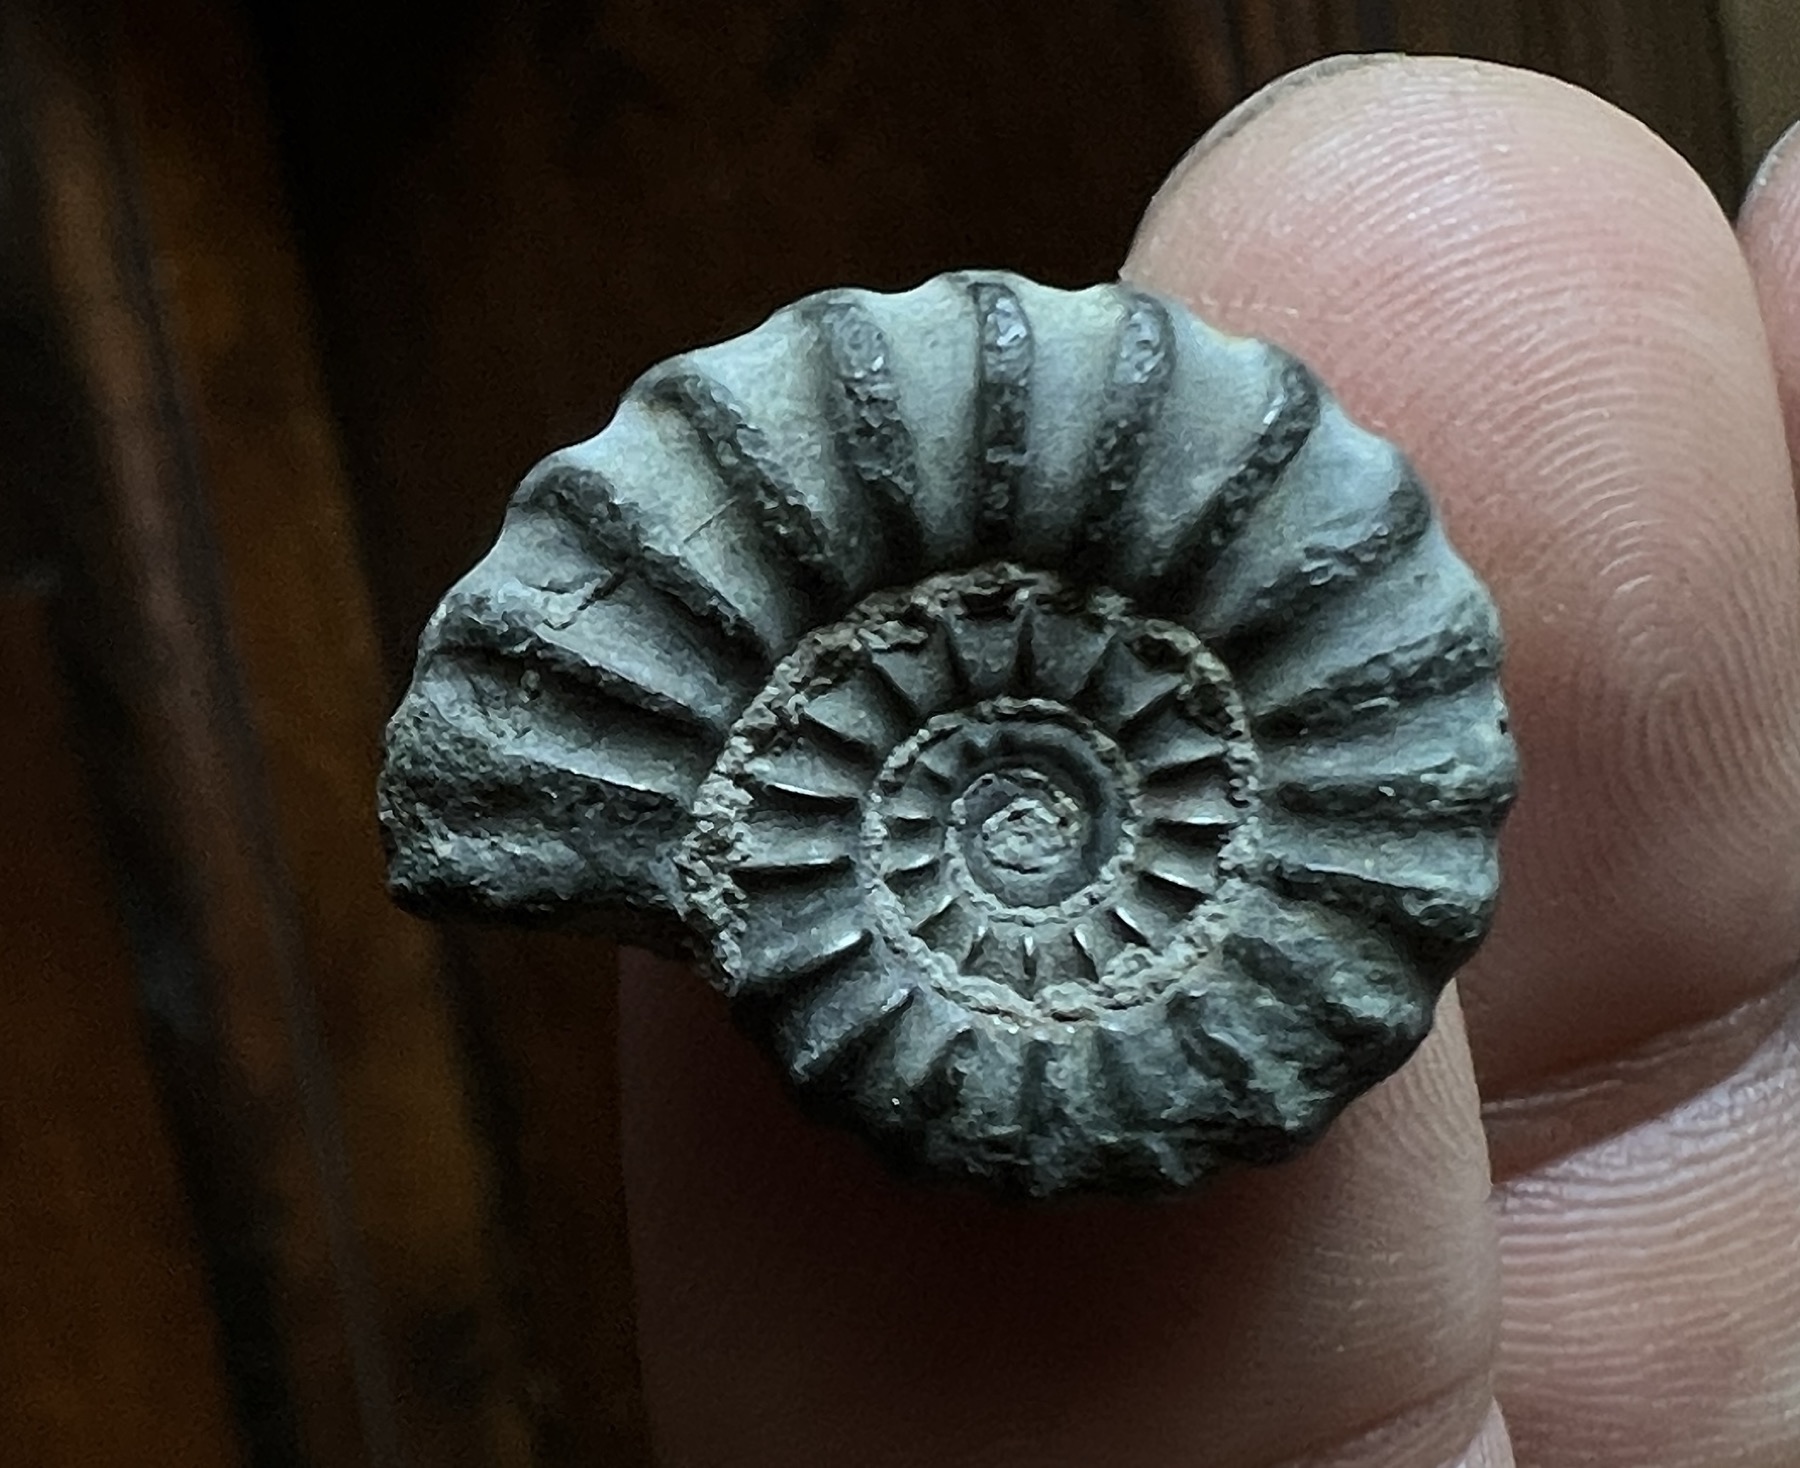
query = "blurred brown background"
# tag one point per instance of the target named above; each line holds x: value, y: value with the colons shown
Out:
x: 290, y: 296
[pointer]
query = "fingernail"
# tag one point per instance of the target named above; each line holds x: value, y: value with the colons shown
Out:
x: 1257, y: 104
x: 1771, y: 161
x: 1279, y: 90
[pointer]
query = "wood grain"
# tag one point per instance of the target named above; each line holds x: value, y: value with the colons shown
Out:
x: 143, y: 632
x: 1664, y: 61
x: 542, y: 1031
x: 240, y: 340
x: 309, y: 1052
x: 103, y: 1291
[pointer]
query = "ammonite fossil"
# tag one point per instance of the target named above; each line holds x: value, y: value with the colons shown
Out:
x: 1068, y: 740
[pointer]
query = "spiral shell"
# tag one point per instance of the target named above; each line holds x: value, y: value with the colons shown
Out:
x: 1068, y: 740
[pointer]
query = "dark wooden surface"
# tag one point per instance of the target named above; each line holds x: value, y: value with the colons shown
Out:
x: 239, y: 337
x: 221, y: 637
x: 103, y: 1292
x: 139, y: 626
x: 325, y: 281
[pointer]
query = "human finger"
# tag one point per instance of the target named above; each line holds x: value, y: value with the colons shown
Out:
x: 799, y: 1306
x: 1542, y: 304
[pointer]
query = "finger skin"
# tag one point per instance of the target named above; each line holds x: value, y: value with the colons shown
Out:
x: 1653, y: 1285
x: 1702, y: 1313
x: 1541, y: 303
x: 799, y: 1307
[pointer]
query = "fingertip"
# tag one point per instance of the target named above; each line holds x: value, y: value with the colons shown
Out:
x: 1263, y: 101
x: 1544, y: 306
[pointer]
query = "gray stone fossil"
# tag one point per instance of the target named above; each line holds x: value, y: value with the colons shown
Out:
x: 1068, y: 739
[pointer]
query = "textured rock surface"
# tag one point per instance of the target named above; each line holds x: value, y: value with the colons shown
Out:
x: 1068, y: 739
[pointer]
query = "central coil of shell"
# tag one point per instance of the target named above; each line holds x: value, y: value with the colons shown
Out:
x: 1067, y: 738
x: 1020, y: 791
